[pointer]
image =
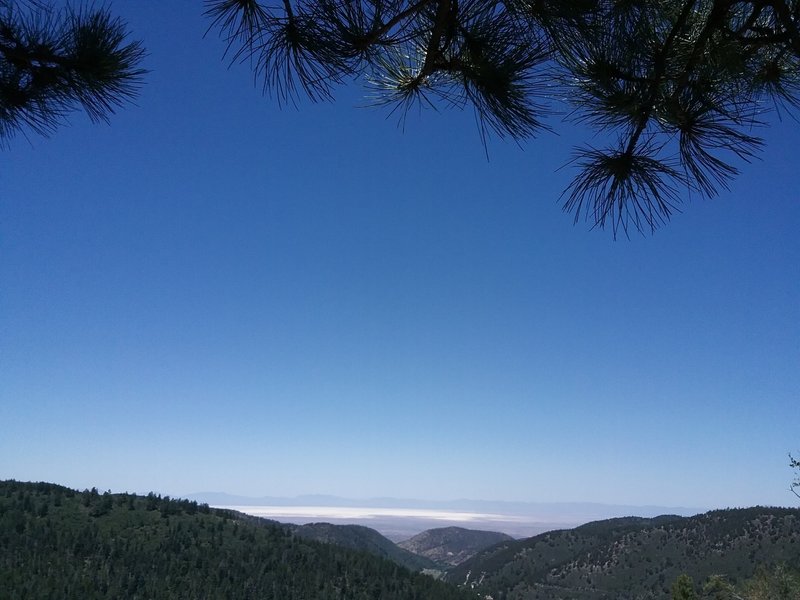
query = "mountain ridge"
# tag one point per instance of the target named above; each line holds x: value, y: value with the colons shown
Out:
x: 358, y: 537
x: 634, y: 557
x: 451, y: 546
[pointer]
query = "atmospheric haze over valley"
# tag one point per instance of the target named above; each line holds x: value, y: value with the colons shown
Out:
x: 399, y: 519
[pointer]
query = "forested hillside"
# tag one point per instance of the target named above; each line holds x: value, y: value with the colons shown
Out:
x: 635, y: 558
x: 358, y: 537
x: 58, y: 543
x: 451, y: 546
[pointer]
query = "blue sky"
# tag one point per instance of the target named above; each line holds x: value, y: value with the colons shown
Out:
x: 213, y: 293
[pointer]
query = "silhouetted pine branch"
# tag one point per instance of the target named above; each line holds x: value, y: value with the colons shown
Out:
x: 680, y: 84
x: 53, y: 62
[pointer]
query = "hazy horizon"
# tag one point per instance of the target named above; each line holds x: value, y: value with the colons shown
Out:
x: 317, y: 500
x: 400, y: 519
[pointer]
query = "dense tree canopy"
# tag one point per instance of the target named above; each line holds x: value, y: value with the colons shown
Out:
x: 675, y: 87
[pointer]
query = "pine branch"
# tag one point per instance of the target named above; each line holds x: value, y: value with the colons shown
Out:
x: 52, y: 62
x: 415, y: 9
x: 788, y: 21
x: 660, y: 68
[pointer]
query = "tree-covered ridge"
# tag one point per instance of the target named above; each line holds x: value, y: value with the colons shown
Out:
x: 59, y: 543
x: 362, y: 538
x: 450, y: 546
x: 635, y: 558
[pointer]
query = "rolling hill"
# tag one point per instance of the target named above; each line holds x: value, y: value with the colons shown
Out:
x: 451, y: 546
x: 59, y: 543
x: 358, y: 537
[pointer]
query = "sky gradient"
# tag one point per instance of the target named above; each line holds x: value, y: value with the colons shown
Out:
x: 214, y: 293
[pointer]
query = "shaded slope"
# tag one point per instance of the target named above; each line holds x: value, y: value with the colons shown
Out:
x: 452, y: 545
x: 362, y: 538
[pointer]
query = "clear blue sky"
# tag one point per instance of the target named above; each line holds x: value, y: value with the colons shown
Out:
x: 213, y: 293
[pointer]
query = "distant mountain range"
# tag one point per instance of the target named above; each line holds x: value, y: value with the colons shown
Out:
x: 562, y: 510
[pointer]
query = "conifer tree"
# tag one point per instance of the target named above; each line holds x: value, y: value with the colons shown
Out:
x: 674, y: 87
x: 683, y: 588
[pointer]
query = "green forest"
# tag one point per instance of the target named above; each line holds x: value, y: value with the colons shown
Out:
x: 59, y: 543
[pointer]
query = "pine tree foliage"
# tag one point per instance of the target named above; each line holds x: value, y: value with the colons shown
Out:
x: 53, y: 62
x: 675, y: 87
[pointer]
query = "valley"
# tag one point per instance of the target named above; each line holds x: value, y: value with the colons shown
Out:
x: 56, y: 542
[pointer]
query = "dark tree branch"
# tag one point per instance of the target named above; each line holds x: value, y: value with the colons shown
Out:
x: 677, y: 80
x: 788, y: 21
x: 376, y: 35
x: 53, y: 64
x: 660, y: 64
x: 433, y: 52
